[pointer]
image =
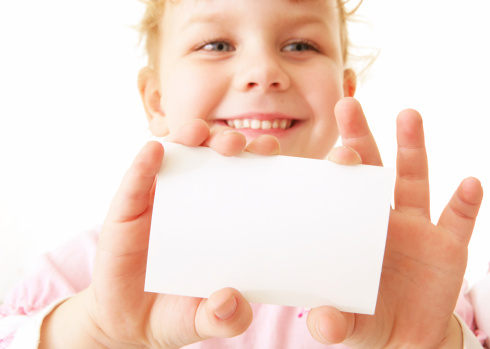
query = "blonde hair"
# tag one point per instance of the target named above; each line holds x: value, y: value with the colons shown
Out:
x: 150, y: 31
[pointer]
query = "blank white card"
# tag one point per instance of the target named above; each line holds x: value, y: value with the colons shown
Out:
x: 281, y: 230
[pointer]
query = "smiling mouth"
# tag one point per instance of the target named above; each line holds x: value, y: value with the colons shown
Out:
x: 255, y: 124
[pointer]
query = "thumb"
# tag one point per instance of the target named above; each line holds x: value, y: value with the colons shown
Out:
x: 225, y: 314
x: 123, y: 242
x: 127, y: 224
x: 329, y: 325
x: 459, y: 216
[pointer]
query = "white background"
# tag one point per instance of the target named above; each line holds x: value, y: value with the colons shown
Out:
x: 71, y: 119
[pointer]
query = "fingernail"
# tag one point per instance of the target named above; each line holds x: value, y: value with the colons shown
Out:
x: 227, y: 309
x: 345, y: 156
x: 231, y: 132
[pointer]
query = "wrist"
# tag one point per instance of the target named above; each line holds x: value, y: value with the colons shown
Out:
x: 452, y: 338
x: 68, y: 326
x: 454, y: 335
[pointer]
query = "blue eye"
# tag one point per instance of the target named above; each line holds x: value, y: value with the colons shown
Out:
x: 299, y: 46
x: 218, y: 46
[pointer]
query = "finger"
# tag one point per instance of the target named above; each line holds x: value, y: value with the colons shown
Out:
x: 459, y: 216
x: 134, y: 194
x: 225, y: 314
x: 226, y: 141
x: 264, y: 145
x: 412, y: 177
x: 355, y: 132
x: 344, y: 156
x: 192, y: 134
x: 329, y: 325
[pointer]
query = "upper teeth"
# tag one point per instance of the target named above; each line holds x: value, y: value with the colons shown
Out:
x: 260, y: 124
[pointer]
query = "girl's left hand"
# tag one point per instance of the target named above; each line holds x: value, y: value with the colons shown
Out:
x: 424, y: 264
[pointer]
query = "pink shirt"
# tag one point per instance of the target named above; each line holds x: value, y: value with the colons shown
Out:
x: 68, y: 270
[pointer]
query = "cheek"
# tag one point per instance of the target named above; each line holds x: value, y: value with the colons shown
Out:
x: 323, y: 89
x: 189, y: 93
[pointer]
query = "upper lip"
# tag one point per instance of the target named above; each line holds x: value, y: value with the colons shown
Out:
x: 259, y: 116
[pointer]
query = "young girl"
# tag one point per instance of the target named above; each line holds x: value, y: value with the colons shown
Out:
x: 267, y: 77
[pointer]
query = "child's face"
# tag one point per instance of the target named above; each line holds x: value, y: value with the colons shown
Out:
x: 265, y: 67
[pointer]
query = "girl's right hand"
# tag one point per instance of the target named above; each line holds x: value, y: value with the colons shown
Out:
x: 115, y: 312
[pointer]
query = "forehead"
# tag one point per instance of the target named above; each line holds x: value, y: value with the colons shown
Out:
x: 274, y: 11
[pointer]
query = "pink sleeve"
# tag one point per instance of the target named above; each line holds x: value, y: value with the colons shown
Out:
x: 479, y: 295
x: 473, y: 308
x: 464, y: 309
x: 59, y: 274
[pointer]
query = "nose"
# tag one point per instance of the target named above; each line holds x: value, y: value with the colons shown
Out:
x: 261, y: 71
